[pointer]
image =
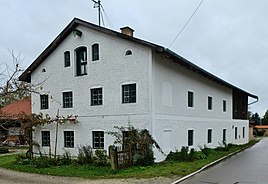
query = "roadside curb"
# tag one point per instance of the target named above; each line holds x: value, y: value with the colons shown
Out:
x: 211, y: 164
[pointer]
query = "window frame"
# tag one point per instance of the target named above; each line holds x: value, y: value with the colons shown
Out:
x: 190, y: 99
x: 98, y: 139
x: 190, y: 137
x: 68, y: 137
x: 95, y: 50
x: 67, y: 60
x: 99, y: 96
x: 81, y: 67
x: 44, y: 104
x: 67, y: 101
x: 131, y: 91
x: 45, y: 137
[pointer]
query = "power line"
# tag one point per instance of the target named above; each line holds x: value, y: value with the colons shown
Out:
x: 186, y: 23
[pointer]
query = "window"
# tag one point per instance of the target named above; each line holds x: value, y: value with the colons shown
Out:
x: 81, y: 61
x: 67, y: 99
x: 190, y: 137
x: 95, y: 52
x: 68, y: 139
x: 98, y: 139
x: 129, y: 93
x: 235, y: 132
x: 128, y: 52
x: 209, y: 135
x: 209, y: 103
x: 96, y: 96
x: 224, y: 135
x: 67, y: 59
x: 243, y: 132
x: 224, y: 105
x: 190, y: 99
x: 44, y: 101
x: 45, y: 138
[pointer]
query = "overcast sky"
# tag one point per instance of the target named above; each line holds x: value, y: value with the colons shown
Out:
x: 228, y: 38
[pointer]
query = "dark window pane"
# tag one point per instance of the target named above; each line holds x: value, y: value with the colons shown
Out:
x: 45, y: 138
x: 67, y: 99
x: 68, y: 139
x: 96, y: 96
x: 209, y: 135
x: 44, y: 101
x: 67, y: 59
x: 95, y: 52
x: 129, y: 93
x: 98, y: 139
x: 81, y: 61
x: 190, y: 99
x: 190, y: 137
x: 209, y: 103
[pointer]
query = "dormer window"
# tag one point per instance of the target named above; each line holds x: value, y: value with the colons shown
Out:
x: 67, y: 58
x: 81, y: 61
x: 95, y: 52
x: 128, y: 52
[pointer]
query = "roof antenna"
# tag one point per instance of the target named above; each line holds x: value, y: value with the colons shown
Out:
x: 97, y: 4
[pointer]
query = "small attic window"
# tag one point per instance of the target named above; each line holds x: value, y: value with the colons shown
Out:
x: 128, y: 52
x: 43, y: 70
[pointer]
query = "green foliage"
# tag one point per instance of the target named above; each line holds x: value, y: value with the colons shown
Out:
x: 199, y: 155
x: 164, y: 169
x: 3, y: 150
x: 183, y: 156
x: 85, y: 155
x: 264, y: 120
x: 207, y: 151
x: 101, y: 157
x: 136, y: 143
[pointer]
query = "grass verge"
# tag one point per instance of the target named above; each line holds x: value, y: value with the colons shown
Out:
x: 164, y: 169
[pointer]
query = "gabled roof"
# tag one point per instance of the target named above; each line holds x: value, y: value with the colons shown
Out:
x: 26, y: 75
x: 16, y: 108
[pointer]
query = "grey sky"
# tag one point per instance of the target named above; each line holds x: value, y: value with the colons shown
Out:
x: 225, y: 37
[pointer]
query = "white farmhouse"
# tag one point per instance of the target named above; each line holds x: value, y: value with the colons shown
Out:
x: 108, y: 79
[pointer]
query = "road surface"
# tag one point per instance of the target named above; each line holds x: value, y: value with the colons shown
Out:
x: 247, y: 167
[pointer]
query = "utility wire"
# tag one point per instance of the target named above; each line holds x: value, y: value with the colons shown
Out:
x: 107, y: 17
x: 186, y: 23
x: 102, y: 19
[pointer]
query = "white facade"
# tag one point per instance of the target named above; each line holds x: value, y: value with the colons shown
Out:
x: 161, y: 96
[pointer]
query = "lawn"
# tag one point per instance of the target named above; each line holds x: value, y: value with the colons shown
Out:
x: 164, y: 169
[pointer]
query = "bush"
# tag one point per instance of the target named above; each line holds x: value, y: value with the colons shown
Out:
x: 207, y: 151
x: 3, y: 150
x: 145, y: 159
x: 101, y: 157
x: 199, y: 155
x: 182, y: 156
x: 85, y: 155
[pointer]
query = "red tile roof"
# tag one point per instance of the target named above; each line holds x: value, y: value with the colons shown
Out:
x: 18, y: 107
x: 261, y: 126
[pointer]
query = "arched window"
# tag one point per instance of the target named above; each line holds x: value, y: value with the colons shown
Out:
x: 95, y: 52
x: 67, y: 58
x: 81, y: 61
x: 128, y: 52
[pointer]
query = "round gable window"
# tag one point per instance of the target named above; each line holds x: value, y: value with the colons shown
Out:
x: 128, y: 52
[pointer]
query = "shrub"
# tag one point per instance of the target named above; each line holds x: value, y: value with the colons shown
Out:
x: 3, y: 150
x: 101, y: 157
x: 207, y: 151
x: 145, y: 159
x: 85, y: 155
x: 173, y: 156
x: 199, y: 155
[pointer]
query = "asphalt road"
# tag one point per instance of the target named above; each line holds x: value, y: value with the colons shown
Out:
x: 247, y: 167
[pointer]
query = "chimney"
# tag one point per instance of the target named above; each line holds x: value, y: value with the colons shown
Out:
x: 127, y: 31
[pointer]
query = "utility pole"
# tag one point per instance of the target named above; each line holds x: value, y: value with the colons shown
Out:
x: 97, y: 4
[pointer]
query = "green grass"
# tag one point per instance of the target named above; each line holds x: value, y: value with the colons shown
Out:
x: 164, y: 169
